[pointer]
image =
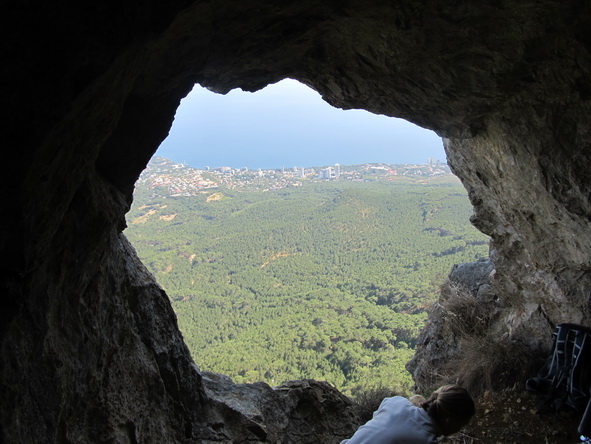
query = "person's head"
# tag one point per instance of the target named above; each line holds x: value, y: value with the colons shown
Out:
x: 451, y: 407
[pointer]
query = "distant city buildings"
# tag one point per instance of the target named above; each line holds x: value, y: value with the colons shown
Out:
x: 167, y: 178
x: 330, y: 172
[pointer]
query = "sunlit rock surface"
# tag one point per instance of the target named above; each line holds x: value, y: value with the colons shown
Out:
x: 90, y: 351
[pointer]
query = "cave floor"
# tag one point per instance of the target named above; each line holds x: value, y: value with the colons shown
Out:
x: 510, y: 417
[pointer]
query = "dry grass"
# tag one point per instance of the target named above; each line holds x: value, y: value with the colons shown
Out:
x: 490, y: 363
x: 464, y: 314
x: 484, y: 359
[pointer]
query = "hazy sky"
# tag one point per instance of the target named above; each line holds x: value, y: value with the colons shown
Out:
x: 288, y: 124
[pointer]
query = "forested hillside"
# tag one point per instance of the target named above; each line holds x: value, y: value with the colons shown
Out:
x: 326, y: 280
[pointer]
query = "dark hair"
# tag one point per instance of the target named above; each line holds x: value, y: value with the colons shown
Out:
x: 451, y: 407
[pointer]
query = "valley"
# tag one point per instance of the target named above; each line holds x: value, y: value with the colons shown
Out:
x: 329, y: 279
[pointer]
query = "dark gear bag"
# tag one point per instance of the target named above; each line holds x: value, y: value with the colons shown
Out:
x: 565, y: 380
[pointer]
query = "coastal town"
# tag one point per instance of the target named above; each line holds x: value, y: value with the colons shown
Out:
x: 167, y: 178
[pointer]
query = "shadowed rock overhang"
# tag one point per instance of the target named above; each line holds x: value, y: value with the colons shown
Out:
x: 90, y: 347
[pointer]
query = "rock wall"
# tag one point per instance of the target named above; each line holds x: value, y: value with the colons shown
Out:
x: 89, y: 348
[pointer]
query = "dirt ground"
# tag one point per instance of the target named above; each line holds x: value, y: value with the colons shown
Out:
x: 511, y: 418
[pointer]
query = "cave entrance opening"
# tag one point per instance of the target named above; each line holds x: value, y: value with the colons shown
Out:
x: 296, y: 240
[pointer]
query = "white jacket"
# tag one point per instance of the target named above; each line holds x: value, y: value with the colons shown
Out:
x: 397, y: 421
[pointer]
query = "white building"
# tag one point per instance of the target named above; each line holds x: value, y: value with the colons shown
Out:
x: 326, y: 173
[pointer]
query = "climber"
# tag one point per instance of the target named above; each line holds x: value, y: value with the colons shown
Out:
x: 400, y: 421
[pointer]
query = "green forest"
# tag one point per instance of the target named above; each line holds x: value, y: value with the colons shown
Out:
x: 329, y: 280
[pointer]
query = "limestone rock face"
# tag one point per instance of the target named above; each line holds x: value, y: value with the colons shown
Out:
x: 89, y: 348
x: 297, y: 411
